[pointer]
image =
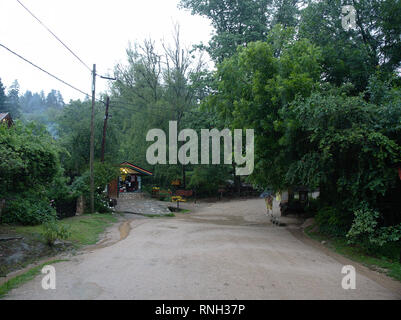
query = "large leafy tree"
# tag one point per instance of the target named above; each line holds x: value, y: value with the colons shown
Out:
x: 28, y: 159
x: 350, y: 151
x: 73, y: 130
x: 347, y: 153
x: 354, y: 55
x: 236, y: 23
x: 253, y: 88
x: 240, y: 22
x: 153, y: 89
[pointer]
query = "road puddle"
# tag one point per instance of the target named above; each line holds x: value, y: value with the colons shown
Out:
x: 125, y: 229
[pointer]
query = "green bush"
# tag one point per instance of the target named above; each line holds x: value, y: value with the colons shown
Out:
x: 367, y: 232
x: 333, y: 222
x: 104, y: 173
x: 53, y: 230
x: 28, y: 209
x: 101, y: 203
x: 63, y: 196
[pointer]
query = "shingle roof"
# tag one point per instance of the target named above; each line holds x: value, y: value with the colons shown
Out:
x: 3, y: 115
x: 136, y: 168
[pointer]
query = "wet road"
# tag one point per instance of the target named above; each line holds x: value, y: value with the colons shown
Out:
x: 226, y: 250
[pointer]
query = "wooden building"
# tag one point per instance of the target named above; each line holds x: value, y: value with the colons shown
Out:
x: 129, y: 181
x: 6, y: 118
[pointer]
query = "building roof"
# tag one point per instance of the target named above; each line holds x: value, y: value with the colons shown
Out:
x: 3, y: 115
x: 6, y: 117
x: 133, y: 169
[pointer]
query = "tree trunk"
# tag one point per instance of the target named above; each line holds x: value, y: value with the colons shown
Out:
x: 2, y: 205
x: 184, y: 178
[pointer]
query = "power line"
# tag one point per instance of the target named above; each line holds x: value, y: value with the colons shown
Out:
x: 52, y: 33
x: 43, y: 70
x: 113, y: 104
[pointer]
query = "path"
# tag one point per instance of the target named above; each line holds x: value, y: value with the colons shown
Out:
x: 226, y: 250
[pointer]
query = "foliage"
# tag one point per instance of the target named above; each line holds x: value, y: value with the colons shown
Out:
x: 61, y: 193
x: 10, y: 103
x: 205, y: 180
x: 255, y: 85
x: 238, y: 23
x: 366, y: 229
x: 28, y: 158
x: 28, y: 209
x: 42, y: 108
x: 333, y: 222
x: 104, y: 173
x: 84, y: 230
x: 2, y: 97
x: 73, y: 130
x: 386, y: 257
x: 53, y: 230
x: 355, y: 55
x: 346, y: 153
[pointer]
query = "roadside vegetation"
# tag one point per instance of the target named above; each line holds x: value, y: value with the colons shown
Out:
x: 384, y: 260
x: 81, y: 230
x: 23, y: 278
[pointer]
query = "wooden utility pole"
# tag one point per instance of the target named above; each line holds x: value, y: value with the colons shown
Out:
x: 106, y: 117
x: 92, y: 142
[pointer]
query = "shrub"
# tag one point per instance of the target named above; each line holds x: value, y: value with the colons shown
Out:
x: 333, y: 222
x: 101, y: 203
x: 53, y: 231
x: 28, y: 210
x: 367, y: 232
x: 104, y: 174
x: 64, y: 197
x: 28, y: 158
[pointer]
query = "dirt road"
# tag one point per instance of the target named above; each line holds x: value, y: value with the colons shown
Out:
x: 226, y: 250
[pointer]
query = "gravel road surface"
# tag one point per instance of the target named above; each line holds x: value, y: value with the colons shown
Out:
x: 223, y: 250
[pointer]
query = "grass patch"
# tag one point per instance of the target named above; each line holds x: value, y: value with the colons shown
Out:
x: 179, y: 210
x: 170, y: 215
x: 85, y: 229
x: 340, y: 245
x: 23, y: 278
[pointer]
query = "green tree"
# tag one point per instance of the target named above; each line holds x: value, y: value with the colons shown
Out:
x: 3, y: 98
x: 10, y: 103
x: 28, y: 158
x: 253, y: 88
x: 354, y: 55
x: 13, y: 100
x: 153, y: 89
x: 236, y: 23
x: 73, y: 130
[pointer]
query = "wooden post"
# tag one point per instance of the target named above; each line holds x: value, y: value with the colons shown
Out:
x: 105, y: 129
x: 92, y: 143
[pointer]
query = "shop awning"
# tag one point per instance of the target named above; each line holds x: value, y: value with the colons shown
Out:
x: 129, y: 168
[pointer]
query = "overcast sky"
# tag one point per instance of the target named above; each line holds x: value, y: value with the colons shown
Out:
x: 98, y: 31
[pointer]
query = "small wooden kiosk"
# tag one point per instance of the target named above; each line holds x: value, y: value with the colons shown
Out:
x: 129, y: 181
